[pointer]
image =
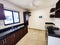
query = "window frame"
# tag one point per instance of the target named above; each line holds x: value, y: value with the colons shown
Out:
x: 13, y: 17
x: 18, y: 17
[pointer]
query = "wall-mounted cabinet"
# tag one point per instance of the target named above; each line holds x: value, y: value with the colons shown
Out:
x: 58, y: 5
x: 2, y: 16
x: 57, y: 14
x: 52, y: 10
x: 56, y: 10
x: 52, y: 15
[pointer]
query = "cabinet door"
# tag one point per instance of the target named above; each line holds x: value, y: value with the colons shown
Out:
x: 10, y: 40
x: 2, y: 16
x: 58, y: 5
x: 18, y: 36
x: 24, y: 30
x: 1, y: 42
x: 57, y: 14
x: 20, y: 33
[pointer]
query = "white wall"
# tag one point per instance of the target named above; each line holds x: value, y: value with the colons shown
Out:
x: 39, y: 23
x: 10, y: 6
x: 34, y: 20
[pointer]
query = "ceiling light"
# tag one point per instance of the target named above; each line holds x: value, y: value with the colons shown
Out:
x: 37, y: 3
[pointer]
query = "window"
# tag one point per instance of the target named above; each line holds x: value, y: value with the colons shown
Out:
x: 12, y: 17
x: 16, y: 17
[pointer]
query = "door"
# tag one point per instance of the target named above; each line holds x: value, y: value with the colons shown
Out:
x: 26, y: 17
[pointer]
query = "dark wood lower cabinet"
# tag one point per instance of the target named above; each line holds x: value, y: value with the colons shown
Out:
x: 18, y: 36
x: 9, y: 40
x: 1, y: 42
x: 12, y: 39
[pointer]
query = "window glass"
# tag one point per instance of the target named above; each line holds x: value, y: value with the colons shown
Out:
x: 12, y: 17
x: 16, y: 16
x: 9, y: 18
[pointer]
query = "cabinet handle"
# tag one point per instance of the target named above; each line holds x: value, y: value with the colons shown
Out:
x: 5, y: 40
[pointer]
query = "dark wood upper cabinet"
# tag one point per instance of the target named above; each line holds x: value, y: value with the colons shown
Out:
x: 58, y: 5
x: 2, y: 16
x: 57, y: 12
x: 52, y: 15
x: 52, y: 10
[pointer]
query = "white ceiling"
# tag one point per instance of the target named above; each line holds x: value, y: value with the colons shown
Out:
x: 33, y: 4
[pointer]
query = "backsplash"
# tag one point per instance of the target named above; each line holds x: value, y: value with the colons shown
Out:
x: 57, y: 22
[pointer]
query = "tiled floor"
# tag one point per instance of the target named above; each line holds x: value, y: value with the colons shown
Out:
x: 33, y: 37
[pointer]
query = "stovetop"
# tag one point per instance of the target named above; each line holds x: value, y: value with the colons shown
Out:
x: 50, y: 30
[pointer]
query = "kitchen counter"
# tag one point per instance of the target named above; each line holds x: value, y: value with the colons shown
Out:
x: 54, y: 35
x: 8, y: 32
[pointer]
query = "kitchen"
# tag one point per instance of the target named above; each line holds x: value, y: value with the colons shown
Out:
x: 39, y: 18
